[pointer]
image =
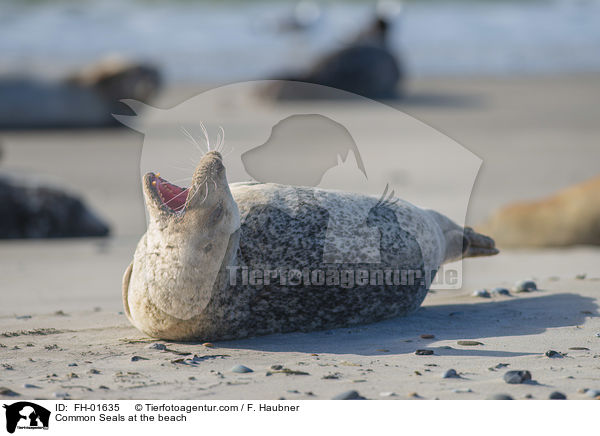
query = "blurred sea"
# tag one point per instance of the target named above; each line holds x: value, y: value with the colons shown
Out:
x: 228, y: 41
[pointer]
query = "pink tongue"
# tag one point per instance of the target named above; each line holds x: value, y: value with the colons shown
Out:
x: 172, y: 195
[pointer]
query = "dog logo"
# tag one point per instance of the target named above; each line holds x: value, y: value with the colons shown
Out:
x: 26, y: 415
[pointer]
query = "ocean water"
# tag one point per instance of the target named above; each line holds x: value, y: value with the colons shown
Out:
x: 223, y: 42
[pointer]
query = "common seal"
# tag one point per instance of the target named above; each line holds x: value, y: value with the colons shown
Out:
x: 569, y: 217
x: 86, y: 99
x: 222, y: 261
x: 366, y: 66
x: 43, y: 212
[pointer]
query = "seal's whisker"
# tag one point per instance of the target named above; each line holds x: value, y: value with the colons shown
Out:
x: 203, y: 127
x: 200, y: 184
x: 222, y: 142
x: 192, y: 140
x: 215, y: 183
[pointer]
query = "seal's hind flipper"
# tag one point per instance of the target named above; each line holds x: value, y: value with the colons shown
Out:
x: 478, y: 244
x: 126, y: 278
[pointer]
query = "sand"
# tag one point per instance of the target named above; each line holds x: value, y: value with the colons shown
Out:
x: 534, y: 135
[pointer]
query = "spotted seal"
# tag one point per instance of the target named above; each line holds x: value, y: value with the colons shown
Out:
x: 222, y: 261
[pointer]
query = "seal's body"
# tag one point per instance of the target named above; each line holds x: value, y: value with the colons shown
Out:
x: 569, y: 217
x: 256, y: 258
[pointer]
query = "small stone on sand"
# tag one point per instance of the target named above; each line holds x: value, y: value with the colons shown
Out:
x: 8, y: 392
x: 348, y: 395
x: 427, y: 336
x: 424, y: 352
x: 553, y: 354
x: 241, y: 369
x: 469, y: 343
x: 157, y: 346
x: 136, y: 358
x: 500, y: 397
x: 525, y: 286
x: 481, y: 293
x: 500, y: 291
x: 517, y: 377
x: 451, y: 373
x: 557, y: 396
x: 208, y: 345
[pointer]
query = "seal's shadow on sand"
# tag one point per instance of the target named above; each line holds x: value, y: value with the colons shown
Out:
x: 514, y: 316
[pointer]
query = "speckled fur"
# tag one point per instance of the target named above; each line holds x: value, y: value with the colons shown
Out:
x: 179, y: 286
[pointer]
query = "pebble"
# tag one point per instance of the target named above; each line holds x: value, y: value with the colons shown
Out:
x: 72, y: 364
x: 579, y: 348
x: 8, y: 392
x: 500, y: 397
x: 462, y: 391
x: 594, y: 393
x: 469, y: 343
x: 61, y: 395
x: 208, y: 345
x: 451, y: 373
x: 103, y: 387
x: 427, y: 336
x: 500, y: 291
x: 424, y: 352
x: 387, y: 394
x: 482, y: 293
x: 525, y: 286
x: 136, y: 358
x: 580, y: 276
x: 93, y: 371
x: 516, y: 377
x: 30, y: 386
x: 553, y: 354
x: 157, y: 346
x: 241, y: 369
x: 557, y: 396
x: 349, y: 395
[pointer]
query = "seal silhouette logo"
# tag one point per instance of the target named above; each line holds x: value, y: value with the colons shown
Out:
x: 26, y: 415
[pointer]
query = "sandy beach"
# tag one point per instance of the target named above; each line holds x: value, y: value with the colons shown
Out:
x: 63, y: 332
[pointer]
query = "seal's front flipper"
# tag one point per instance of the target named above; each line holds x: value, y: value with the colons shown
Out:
x: 126, y: 278
x: 477, y: 245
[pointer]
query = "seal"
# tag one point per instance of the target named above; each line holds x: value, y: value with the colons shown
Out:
x: 570, y: 216
x: 222, y: 261
x: 367, y: 66
x: 86, y: 99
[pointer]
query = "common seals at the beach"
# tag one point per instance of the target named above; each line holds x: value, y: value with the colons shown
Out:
x: 569, y: 217
x: 44, y: 212
x: 223, y: 261
x: 84, y: 100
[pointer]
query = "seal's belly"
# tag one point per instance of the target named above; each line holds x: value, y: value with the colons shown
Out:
x: 311, y: 258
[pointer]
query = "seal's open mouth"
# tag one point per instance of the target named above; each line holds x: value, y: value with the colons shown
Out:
x: 172, y: 196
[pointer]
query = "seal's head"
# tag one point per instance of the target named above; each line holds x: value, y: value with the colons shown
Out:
x: 206, y: 206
